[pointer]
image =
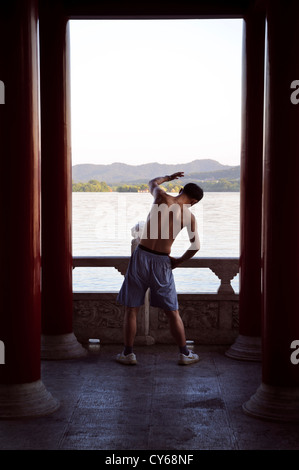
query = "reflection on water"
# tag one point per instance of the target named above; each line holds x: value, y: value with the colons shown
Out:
x: 102, y: 224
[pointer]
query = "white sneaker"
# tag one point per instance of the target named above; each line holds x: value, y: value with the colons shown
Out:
x: 190, y: 359
x: 130, y: 359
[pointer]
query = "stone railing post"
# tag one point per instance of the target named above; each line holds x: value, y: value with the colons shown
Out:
x: 226, y: 273
x: 142, y: 336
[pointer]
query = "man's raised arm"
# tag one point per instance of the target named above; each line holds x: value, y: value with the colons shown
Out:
x: 155, y: 182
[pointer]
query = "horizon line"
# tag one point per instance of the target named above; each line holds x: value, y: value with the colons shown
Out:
x: 157, y: 163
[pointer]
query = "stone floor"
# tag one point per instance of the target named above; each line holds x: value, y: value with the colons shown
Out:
x: 155, y: 405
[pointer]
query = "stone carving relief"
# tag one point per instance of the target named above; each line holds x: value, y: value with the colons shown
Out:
x: 196, y: 315
x: 97, y: 314
x: 200, y: 314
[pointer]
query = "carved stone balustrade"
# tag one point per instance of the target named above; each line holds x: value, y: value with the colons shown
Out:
x: 118, y: 262
x: 209, y: 318
x: 224, y: 268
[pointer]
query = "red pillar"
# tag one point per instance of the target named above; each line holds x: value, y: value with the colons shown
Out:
x: 58, y: 340
x: 248, y: 344
x: 22, y: 392
x: 277, y: 397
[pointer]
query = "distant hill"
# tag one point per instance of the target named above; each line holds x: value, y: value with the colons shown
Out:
x: 121, y: 173
x: 232, y: 173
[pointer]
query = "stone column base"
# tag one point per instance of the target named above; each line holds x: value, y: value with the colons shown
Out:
x: 26, y: 400
x: 246, y: 348
x: 274, y: 404
x: 65, y: 346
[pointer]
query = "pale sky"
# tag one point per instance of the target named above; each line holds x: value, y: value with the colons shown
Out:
x: 166, y: 91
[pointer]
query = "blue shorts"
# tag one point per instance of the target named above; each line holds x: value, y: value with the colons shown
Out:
x: 153, y: 271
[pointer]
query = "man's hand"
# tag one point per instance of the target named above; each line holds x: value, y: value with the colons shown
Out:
x: 154, y: 183
x: 175, y: 176
x: 175, y: 262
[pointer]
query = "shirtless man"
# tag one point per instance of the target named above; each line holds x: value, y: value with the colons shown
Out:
x: 151, y: 266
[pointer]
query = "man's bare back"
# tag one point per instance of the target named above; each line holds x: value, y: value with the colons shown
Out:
x: 168, y: 216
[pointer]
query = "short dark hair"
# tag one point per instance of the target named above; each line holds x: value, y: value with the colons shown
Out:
x: 193, y: 191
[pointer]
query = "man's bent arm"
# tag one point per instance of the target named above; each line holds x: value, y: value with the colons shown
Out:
x: 155, y: 182
x: 194, y: 247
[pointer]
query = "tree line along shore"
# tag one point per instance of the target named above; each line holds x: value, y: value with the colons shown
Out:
x: 221, y: 185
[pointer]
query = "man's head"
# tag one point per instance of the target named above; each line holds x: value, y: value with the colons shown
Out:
x: 193, y: 192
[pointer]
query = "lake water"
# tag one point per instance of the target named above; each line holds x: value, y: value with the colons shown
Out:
x: 102, y: 224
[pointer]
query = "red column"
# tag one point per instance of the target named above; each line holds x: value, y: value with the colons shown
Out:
x: 278, y: 395
x: 248, y: 344
x: 58, y: 340
x: 22, y: 392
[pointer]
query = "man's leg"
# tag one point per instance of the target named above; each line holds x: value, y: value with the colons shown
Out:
x: 130, y: 327
x: 176, y: 326
x: 177, y: 330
